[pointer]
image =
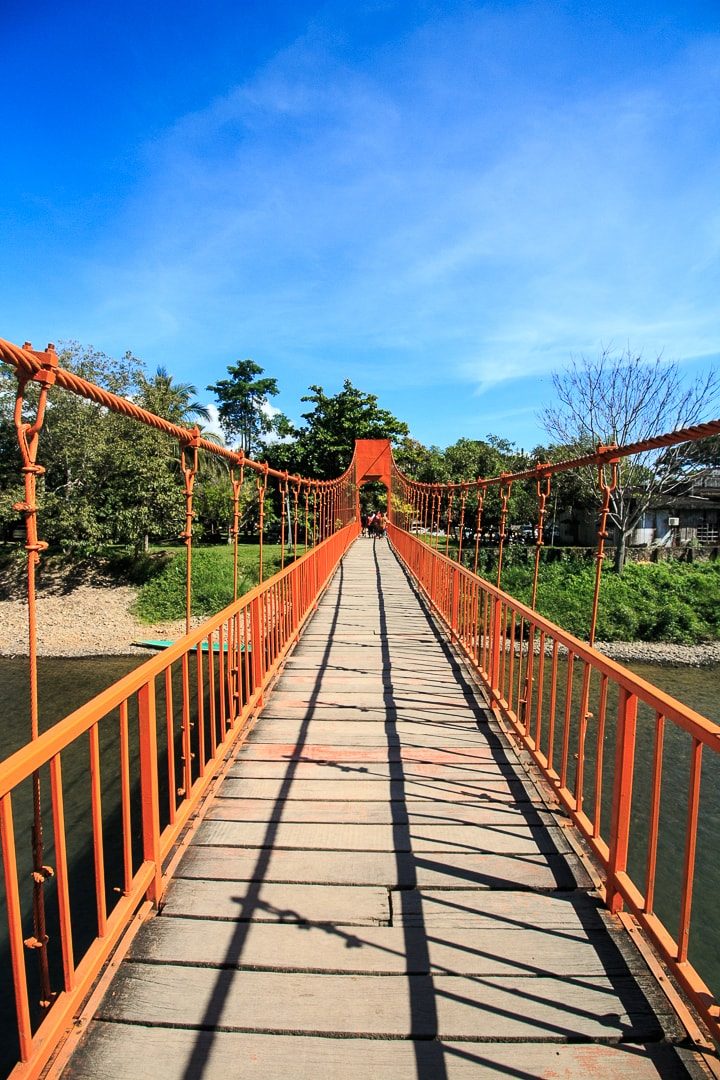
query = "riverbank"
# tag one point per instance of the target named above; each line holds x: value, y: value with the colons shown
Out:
x: 96, y: 620
x: 88, y: 620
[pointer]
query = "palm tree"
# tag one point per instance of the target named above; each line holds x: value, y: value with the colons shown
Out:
x: 173, y: 401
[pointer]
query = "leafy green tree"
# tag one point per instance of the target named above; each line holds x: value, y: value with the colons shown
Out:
x: 624, y: 398
x: 424, y: 463
x: 108, y: 479
x: 242, y: 404
x: 323, y: 447
x: 10, y: 480
x: 171, y: 400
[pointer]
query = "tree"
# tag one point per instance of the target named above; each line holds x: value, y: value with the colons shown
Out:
x: 108, y: 478
x: 173, y: 401
x: 424, y: 463
x: 624, y: 398
x: 243, y: 404
x: 323, y: 447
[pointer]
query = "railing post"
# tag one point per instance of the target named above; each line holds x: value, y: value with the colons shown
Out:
x: 622, y: 796
x: 257, y: 646
x: 149, y: 786
x: 454, y: 601
x: 295, y: 599
x: 495, y: 634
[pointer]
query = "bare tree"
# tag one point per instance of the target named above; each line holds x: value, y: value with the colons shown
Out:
x: 624, y: 398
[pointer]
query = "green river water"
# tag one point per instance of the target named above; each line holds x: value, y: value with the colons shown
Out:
x: 67, y: 683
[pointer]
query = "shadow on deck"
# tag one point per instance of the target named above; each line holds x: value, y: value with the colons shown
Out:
x: 377, y: 887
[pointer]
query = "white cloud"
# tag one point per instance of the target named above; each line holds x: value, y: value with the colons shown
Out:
x: 438, y: 213
x: 212, y: 427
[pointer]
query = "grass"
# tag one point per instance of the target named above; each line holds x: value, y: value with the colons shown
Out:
x: 673, y: 602
x: 670, y: 602
x: 163, y: 596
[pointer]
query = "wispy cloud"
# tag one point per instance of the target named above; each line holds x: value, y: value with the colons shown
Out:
x: 472, y: 200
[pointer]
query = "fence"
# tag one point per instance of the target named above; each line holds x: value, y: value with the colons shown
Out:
x: 172, y: 722
x: 623, y: 758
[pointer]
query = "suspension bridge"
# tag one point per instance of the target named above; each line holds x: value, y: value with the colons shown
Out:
x: 375, y: 814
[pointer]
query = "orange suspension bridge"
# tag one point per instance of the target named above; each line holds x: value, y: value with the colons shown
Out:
x: 375, y: 814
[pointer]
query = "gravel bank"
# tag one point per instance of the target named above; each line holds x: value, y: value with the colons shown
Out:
x: 92, y: 620
x: 84, y: 621
x: 657, y: 652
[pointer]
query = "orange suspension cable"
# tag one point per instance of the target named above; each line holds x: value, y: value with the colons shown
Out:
x: 261, y: 489
x: 307, y: 515
x: 451, y: 497
x: 478, y: 524
x: 32, y: 364
x: 296, y: 496
x: 28, y: 438
x: 435, y: 531
x: 692, y: 433
x: 463, y: 498
x: 283, y: 496
x: 543, y: 493
x: 237, y: 483
x: 606, y: 487
x: 505, y: 490
x: 189, y: 473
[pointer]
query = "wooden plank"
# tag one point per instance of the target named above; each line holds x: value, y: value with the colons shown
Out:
x: 384, y: 950
x: 347, y: 788
x: 515, y: 840
x: 375, y: 706
x: 389, y: 869
x: 357, y: 733
x: 391, y: 713
x: 158, y: 1053
x: 321, y: 752
x: 338, y: 687
x: 378, y: 813
x: 268, y: 902
x: 372, y: 697
x: 466, y: 774
x: 419, y: 1006
x: 476, y: 907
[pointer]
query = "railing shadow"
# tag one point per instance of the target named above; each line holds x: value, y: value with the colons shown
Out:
x: 431, y: 1055
x: 429, y: 1059
x: 251, y: 903
x: 588, y: 906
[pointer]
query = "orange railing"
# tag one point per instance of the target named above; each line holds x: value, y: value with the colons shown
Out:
x: 173, y: 719
x: 590, y: 725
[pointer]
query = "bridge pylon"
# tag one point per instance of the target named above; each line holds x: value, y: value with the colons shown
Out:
x: 373, y: 464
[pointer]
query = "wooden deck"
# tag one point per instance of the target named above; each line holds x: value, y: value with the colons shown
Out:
x: 378, y: 890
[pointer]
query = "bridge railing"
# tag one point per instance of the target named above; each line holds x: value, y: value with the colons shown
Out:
x: 623, y: 758
x: 146, y: 750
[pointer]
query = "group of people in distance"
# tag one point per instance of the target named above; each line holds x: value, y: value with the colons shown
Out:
x: 373, y: 524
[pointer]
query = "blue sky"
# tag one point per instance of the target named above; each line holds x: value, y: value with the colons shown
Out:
x: 440, y: 201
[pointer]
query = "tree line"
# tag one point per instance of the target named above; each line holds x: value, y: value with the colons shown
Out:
x: 111, y: 481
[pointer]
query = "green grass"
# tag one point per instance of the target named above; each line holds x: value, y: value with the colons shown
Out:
x: 163, y: 596
x: 671, y: 602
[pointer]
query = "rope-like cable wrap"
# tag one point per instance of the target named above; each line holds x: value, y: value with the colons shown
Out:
x: 27, y: 364
x: 602, y: 456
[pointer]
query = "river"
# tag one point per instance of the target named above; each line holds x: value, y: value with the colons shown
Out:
x: 65, y: 684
